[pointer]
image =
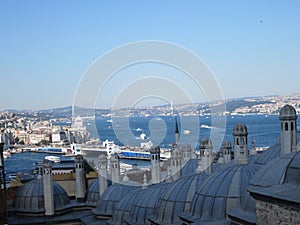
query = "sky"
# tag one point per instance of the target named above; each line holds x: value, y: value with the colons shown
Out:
x: 252, y: 47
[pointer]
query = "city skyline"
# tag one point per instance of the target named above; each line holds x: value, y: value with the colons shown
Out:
x: 251, y: 47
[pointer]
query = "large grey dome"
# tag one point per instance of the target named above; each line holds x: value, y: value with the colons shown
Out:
x: 189, y: 167
x: 93, y: 192
x: 30, y: 197
x: 240, y: 130
x: 123, y: 208
x: 145, y: 205
x: 287, y: 112
x: 177, y: 199
x: 221, y: 192
x: 271, y: 153
x: 112, y: 196
x: 277, y: 171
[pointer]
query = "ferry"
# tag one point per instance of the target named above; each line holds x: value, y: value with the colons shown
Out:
x: 55, y: 159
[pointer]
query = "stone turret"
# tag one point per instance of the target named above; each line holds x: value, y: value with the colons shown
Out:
x: 226, y: 147
x: 240, y: 135
x: 80, y: 178
x: 115, y: 168
x: 176, y: 162
x: 288, y: 129
x: 155, y: 162
x: 48, y: 188
x: 102, y: 173
x: 186, y: 153
x: 206, y: 152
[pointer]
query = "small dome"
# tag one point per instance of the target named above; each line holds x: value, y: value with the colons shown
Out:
x: 226, y: 145
x: 102, y: 158
x: 30, y: 197
x: 221, y: 192
x: 287, y: 112
x: 240, y: 130
x: 177, y: 199
x: 114, y: 158
x: 78, y: 159
x: 93, y: 192
x: 205, y: 143
x: 155, y: 150
x: 112, y: 196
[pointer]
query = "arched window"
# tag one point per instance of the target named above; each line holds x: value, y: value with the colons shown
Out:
x: 292, y: 126
x: 286, y: 126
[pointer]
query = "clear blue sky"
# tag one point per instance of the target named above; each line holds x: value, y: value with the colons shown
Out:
x: 252, y: 47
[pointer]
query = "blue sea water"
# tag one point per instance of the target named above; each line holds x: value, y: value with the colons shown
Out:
x: 264, y: 129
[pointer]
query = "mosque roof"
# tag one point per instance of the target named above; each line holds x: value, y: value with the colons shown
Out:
x: 146, y: 203
x: 271, y: 153
x: 112, y: 196
x: 123, y: 208
x: 177, y: 199
x: 30, y: 197
x: 221, y: 192
x: 93, y: 191
x: 278, y: 177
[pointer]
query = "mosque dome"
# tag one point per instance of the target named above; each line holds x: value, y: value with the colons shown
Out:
x: 287, y: 112
x: 277, y: 171
x: 112, y: 196
x: 240, y: 130
x: 221, y: 192
x: 123, y: 208
x: 93, y: 191
x: 177, y: 199
x: 144, y: 206
x: 30, y: 197
x: 271, y: 153
x: 190, y: 167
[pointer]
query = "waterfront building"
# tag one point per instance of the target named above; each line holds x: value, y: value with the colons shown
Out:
x: 250, y: 189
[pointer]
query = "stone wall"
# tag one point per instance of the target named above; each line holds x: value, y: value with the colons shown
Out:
x: 276, y: 213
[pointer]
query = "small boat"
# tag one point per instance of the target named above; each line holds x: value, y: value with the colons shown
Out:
x: 53, y: 158
x: 186, y: 132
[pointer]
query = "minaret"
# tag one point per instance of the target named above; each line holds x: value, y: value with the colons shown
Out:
x: 48, y: 188
x: 155, y: 162
x: 288, y: 129
x: 176, y: 160
x: 80, y: 179
x: 102, y: 173
x: 253, y: 148
x: 115, y: 168
x: 186, y: 153
x: 226, y: 146
x: 240, y: 135
x: 176, y: 133
x: 206, y: 150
